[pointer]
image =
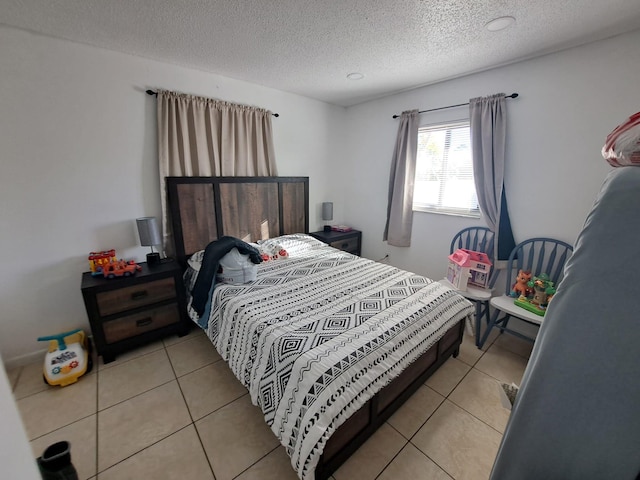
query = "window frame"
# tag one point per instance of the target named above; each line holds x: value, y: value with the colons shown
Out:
x: 440, y: 209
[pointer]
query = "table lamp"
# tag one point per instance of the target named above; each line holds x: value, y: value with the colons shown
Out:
x: 149, y: 236
x: 327, y: 214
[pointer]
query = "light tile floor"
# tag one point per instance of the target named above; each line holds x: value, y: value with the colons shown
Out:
x: 173, y: 410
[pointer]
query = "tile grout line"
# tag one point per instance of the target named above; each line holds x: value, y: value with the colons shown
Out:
x: 98, y: 411
x: 423, y: 423
x: 204, y: 450
x: 439, y: 406
x: 409, y: 441
x: 394, y: 457
x: 260, y: 459
x: 221, y: 407
x: 454, y: 403
x: 489, y: 375
x: 136, y: 395
x: 460, y: 407
x: 199, y: 368
x: 142, y: 450
x: 479, y: 419
x: 510, y: 351
x: 137, y: 357
x: 59, y: 428
x: 175, y: 377
x: 414, y: 446
x: 15, y: 382
x: 193, y: 423
x: 433, y: 460
x: 46, y: 388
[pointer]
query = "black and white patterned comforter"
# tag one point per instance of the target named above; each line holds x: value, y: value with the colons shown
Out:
x: 319, y: 333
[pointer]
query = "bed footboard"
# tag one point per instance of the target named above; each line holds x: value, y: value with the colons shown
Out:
x: 362, y: 424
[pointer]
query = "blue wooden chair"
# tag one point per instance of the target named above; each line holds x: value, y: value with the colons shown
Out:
x: 479, y: 239
x: 538, y: 256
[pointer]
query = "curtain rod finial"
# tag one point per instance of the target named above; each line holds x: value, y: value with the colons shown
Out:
x: 515, y: 95
x: 151, y: 92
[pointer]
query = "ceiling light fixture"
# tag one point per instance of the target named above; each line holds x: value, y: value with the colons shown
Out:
x: 499, y: 23
x: 355, y: 76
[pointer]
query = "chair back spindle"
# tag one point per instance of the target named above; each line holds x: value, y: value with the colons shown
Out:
x: 538, y: 256
x: 535, y: 255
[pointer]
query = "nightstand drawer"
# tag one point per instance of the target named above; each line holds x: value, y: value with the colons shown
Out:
x: 123, y: 299
x: 134, y: 325
x: 347, y: 244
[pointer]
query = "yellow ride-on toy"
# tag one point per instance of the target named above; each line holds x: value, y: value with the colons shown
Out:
x: 68, y: 358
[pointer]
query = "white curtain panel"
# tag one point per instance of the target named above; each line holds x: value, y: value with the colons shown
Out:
x: 397, y: 231
x: 205, y: 137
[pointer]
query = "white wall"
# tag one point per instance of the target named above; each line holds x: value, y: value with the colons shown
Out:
x: 73, y: 115
x: 568, y: 103
x: 79, y: 164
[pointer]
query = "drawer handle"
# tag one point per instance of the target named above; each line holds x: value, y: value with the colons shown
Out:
x: 345, y: 245
x: 144, y: 322
x: 139, y: 295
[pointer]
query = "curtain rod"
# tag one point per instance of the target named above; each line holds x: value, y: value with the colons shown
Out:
x: 513, y: 95
x: 151, y: 92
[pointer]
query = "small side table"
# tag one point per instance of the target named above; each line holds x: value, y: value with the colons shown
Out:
x: 130, y: 311
x: 350, y: 241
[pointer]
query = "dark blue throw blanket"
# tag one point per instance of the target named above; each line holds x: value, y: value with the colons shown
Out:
x: 207, y: 276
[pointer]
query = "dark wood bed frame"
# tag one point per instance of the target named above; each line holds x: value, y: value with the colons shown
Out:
x: 204, y: 209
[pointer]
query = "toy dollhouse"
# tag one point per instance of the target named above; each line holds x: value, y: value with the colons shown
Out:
x: 468, y: 267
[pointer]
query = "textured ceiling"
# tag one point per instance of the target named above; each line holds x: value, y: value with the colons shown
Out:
x: 309, y: 46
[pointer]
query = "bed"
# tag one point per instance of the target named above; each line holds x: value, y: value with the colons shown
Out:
x: 328, y: 344
x: 577, y: 413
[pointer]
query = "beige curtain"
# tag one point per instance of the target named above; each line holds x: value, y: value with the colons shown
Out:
x: 397, y: 231
x: 200, y: 136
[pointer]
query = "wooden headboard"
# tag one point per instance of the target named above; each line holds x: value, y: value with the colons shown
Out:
x: 204, y: 209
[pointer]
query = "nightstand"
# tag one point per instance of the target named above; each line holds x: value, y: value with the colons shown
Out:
x: 130, y: 311
x: 348, y: 241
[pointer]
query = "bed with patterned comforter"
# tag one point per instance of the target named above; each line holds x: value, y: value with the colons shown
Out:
x: 319, y: 333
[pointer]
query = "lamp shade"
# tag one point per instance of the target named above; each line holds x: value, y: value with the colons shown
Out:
x: 327, y: 210
x: 148, y: 231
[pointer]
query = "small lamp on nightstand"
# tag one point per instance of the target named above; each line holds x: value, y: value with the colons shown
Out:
x: 149, y: 236
x: 327, y: 214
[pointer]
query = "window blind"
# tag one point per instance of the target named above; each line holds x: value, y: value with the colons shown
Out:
x: 444, y: 171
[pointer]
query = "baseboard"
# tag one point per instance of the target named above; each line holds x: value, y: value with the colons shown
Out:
x: 29, y: 358
x: 22, y: 360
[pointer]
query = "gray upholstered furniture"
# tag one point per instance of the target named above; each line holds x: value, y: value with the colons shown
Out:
x: 577, y: 414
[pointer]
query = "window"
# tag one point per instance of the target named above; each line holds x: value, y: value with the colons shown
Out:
x: 444, y: 171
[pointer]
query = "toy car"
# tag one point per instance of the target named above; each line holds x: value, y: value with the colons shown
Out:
x: 68, y: 358
x: 120, y: 268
